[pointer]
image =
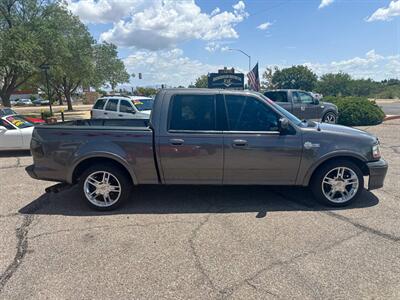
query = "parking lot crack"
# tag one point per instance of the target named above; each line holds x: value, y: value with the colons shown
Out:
x: 228, y: 291
x: 22, y: 246
x: 197, y: 261
x: 340, y: 217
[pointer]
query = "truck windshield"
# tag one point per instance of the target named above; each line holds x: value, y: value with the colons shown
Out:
x: 283, y: 111
x: 143, y: 104
x: 18, y: 122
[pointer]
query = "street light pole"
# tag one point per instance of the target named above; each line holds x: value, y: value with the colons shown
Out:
x: 248, y: 56
x: 45, y: 67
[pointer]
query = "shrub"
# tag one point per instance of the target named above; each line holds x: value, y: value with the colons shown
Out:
x: 357, y: 111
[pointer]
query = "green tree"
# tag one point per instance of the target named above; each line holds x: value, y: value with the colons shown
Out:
x: 335, y: 84
x: 266, y: 83
x: 69, y: 53
x: 145, y: 91
x: 295, y: 77
x: 201, y: 82
x: 20, y: 47
x: 109, y: 69
x: 363, y: 87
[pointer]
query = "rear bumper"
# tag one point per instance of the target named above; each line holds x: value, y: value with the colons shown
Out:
x: 43, y: 174
x: 377, y: 174
x: 31, y: 172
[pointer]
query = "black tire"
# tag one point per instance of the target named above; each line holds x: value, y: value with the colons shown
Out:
x: 318, y: 177
x: 330, y: 117
x: 122, y: 179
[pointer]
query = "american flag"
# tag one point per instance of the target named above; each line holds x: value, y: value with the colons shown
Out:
x: 254, y: 79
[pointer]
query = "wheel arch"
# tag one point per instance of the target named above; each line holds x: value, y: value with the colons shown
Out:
x: 81, y: 165
x: 357, y: 160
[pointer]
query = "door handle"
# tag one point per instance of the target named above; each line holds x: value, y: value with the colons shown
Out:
x: 106, y: 113
x: 176, y: 142
x: 120, y: 115
x: 239, y: 143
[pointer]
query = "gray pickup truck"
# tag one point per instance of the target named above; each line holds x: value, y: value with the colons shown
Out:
x: 210, y: 137
x: 304, y: 105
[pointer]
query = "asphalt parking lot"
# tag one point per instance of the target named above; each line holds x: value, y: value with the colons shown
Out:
x: 200, y: 242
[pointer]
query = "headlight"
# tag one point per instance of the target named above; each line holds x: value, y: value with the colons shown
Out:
x: 376, y: 151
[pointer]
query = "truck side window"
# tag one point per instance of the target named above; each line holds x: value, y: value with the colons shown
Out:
x: 99, y: 104
x: 112, y: 105
x: 250, y: 114
x: 193, y: 112
x: 277, y: 96
x: 303, y: 97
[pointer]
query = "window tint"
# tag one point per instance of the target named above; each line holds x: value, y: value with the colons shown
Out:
x: 303, y: 98
x: 193, y: 112
x: 250, y: 114
x: 125, y: 106
x: 112, y: 105
x: 99, y: 104
x: 6, y: 125
x: 277, y: 96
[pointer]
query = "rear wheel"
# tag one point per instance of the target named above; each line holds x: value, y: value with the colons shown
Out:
x: 330, y: 117
x: 338, y: 183
x: 104, y: 187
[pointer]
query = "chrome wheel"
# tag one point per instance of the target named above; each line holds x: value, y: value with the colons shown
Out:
x: 330, y: 118
x: 340, y: 185
x: 102, y: 189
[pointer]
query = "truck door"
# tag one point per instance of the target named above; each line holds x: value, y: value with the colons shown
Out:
x: 304, y: 106
x: 190, y: 145
x: 255, y: 151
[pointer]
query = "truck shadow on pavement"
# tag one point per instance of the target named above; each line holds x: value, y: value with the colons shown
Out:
x: 193, y: 199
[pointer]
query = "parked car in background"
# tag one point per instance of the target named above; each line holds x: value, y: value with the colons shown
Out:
x: 304, y: 105
x: 15, y: 133
x: 8, y: 111
x: 40, y: 102
x: 207, y: 136
x: 13, y: 102
x: 114, y: 107
x: 24, y: 102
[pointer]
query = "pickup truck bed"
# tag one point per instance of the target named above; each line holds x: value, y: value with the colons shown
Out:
x: 128, y: 141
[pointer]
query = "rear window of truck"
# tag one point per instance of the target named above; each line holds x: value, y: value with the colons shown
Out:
x: 193, y: 112
x: 277, y: 96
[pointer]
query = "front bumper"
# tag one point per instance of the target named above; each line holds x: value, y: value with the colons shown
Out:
x: 31, y: 172
x: 377, y: 173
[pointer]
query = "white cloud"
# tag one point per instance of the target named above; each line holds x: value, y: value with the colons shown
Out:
x: 217, y: 46
x: 325, y: 3
x: 169, y: 67
x: 164, y: 24
x: 104, y: 11
x: 372, y: 65
x: 264, y: 26
x: 386, y: 13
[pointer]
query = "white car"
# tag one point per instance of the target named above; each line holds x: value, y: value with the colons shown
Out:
x: 24, y: 102
x: 116, y: 107
x: 15, y: 133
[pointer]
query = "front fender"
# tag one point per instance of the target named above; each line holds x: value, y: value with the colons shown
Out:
x: 305, y: 177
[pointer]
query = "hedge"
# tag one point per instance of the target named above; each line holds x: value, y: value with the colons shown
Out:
x: 357, y: 111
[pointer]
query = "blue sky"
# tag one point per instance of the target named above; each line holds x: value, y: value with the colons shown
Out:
x: 173, y: 42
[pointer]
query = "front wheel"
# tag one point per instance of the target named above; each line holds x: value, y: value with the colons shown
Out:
x: 338, y: 183
x: 104, y: 187
x: 330, y: 117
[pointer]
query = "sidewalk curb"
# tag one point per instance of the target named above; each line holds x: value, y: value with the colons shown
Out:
x: 391, y: 117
